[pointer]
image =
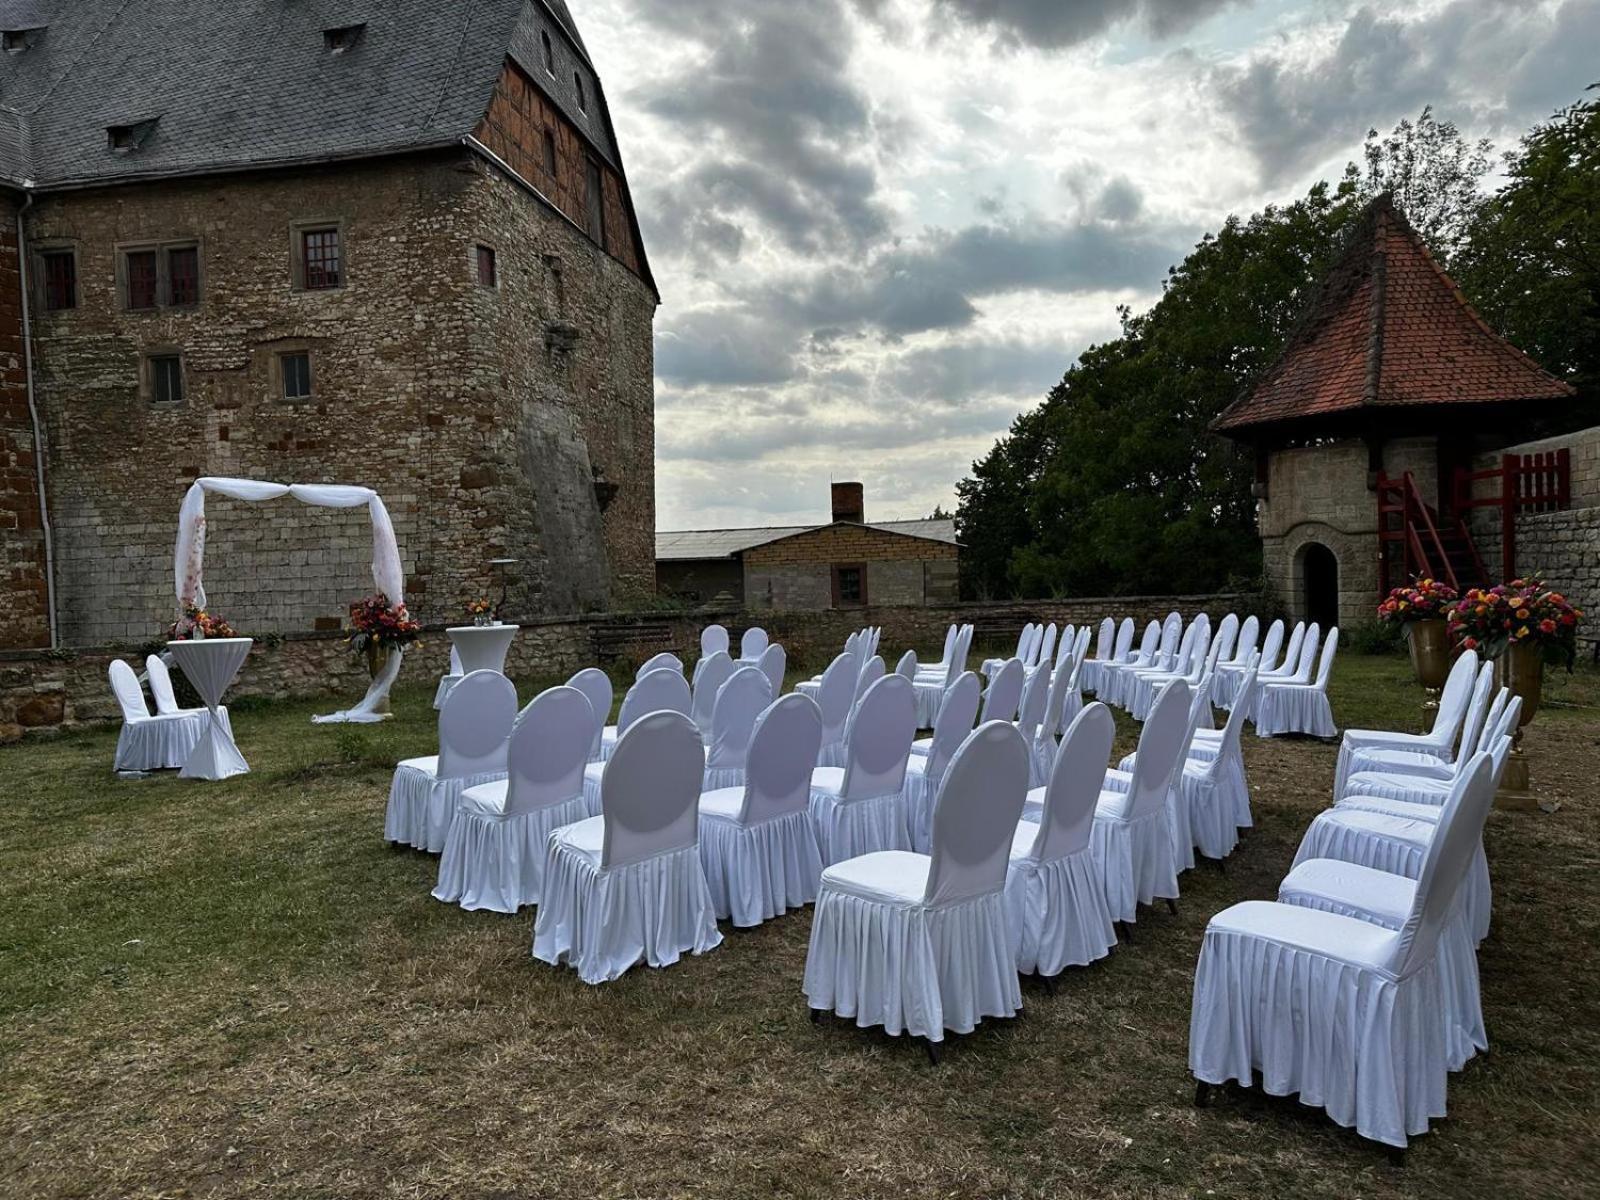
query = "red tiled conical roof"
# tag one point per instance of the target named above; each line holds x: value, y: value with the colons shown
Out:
x: 1388, y: 328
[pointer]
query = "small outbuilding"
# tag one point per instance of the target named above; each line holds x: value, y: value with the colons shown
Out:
x: 845, y: 563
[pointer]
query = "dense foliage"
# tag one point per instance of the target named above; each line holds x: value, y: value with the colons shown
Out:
x: 1114, y: 484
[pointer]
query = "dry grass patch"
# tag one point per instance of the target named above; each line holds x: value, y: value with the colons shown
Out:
x: 238, y: 990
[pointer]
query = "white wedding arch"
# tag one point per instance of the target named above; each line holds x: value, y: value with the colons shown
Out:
x: 387, y: 575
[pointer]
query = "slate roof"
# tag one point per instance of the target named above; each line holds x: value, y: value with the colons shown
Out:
x: 240, y: 84
x: 1387, y: 328
x: 692, y: 545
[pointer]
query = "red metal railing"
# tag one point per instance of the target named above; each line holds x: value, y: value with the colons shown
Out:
x: 1527, y: 483
x: 1416, y: 535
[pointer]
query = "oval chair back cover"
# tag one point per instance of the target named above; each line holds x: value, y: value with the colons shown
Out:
x: 907, y: 666
x: 1308, y: 654
x: 753, y: 642
x: 1233, y: 728
x: 783, y: 749
x: 665, y: 661
x: 1056, y: 698
x: 1245, y: 645
x: 1035, y: 698
x: 1047, y: 646
x: 1024, y: 641
x: 650, y: 791
x: 595, y: 685
x: 1106, y: 639
x: 708, y: 680
x: 950, y: 636
x: 1455, y: 697
x: 739, y: 702
x: 774, y: 663
x: 976, y: 813
x: 160, y: 684
x: 474, y: 725
x: 1477, y: 724
x: 1125, y: 633
x: 1291, y: 653
x: 1226, y: 632
x: 1004, y: 697
x: 1490, y: 728
x: 957, y: 664
x: 871, y: 671
x: 125, y: 687
x: 1444, y: 866
x: 1273, y: 644
x: 879, y: 741
x: 712, y: 639
x: 1162, y: 743
x: 1076, y: 777
x: 1150, y: 643
x: 1171, y: 632
x: 1504, y: 729
x: 1064, y: 647
x: 958, y: 709
x: 548, y: 751
x: 1080, y: 656
x: 655, y: 692
x: 835, y: 694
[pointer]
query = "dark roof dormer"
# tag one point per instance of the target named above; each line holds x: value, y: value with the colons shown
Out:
x: 17, y: 40
x: 342, y: 39
x: 131, y: 138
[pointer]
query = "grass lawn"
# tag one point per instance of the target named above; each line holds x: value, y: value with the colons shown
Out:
x: 237, y: 989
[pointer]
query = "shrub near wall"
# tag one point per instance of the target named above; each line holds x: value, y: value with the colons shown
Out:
x: 48, y: 690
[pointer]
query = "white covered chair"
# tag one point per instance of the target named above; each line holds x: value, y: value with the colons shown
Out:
x: 836, y: 699
x: 627, y: 886
x: 1021, y: 653
x: 924, y: 772
x: 936, y: 671
x: 1349, y: 1015
x: 448, y: 680
x: 1031, y: 710
x: 665, y: 661
x: 650, y: 693
x: 160, y: 679
x: 1113, y: 673
x: 595, y: 685
x: 739, y: 704
x: 494, y: 851
x: 712, y: 639
x: 1122, y: 647
x: 1042, y: 745
x: 859, y: 808
x: 1104, y: 644
x: 1229, y: 673
x: 146, y: 742
x: 931, y: 687
x: 1215, y: 793
x: 1196, y: 657
x: 906, y: 668
x: 1414, y: 778
x: 1001, y: 700
x: 1055, y: 898
x: 757, y: 844
x: 474, y: 725
x: 1300, y: 704
x: 1132, y: 839
x: 1043, y: 652
x: 774, y: 664
x: 1439, y: 741
x: 1072, y: 696
x: 710, y: 674
x: 918, y: 943
x: 753, y: 644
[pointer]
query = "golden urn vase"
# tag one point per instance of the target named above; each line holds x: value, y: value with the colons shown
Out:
x: 377, y: 660
x: 1521, y: 669
x: 1429, y: 641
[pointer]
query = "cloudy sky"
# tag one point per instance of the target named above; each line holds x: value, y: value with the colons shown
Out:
x: 882, y: 228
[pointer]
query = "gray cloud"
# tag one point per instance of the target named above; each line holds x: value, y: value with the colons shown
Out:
x: 959, y: 373
x: 1498, y: 65
x: 723, y: 348
x: 781, y: 124
x: 1053, y: 24
x: 752, y: 440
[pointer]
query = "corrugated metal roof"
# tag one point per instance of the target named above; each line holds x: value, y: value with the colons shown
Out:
x: 686, y: 545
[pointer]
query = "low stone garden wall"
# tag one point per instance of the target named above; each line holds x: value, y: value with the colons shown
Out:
x: 44, y: 690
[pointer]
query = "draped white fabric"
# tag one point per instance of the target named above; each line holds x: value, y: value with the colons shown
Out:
x: 211, y: 666
x: 387, y: 575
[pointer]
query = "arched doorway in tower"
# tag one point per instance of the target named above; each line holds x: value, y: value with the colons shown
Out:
x: 1319, y: 585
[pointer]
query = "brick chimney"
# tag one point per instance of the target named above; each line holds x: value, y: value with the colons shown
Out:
x: 848, y: 504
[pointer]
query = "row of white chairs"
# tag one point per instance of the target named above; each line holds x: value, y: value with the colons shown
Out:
x: 164, y: 739
x: 1357, y: 989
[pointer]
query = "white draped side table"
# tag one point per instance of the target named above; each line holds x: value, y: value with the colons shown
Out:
x: 482, y: 647
x: 211, y: 665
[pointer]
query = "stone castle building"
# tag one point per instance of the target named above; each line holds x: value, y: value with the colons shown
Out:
x: 314, y: 241
x: 1378, y: 429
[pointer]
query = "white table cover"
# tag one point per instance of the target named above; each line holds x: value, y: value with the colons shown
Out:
x: 482, y: 647
x: 211, y: 664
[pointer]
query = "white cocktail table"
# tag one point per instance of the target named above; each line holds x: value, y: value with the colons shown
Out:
x: 211, y: 665
x: 482, y: 647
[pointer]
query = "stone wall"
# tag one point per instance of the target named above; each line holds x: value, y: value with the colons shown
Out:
x: 43, y: 690
x: 24, y: 619
x: 796, y: 573
x: 452, y: 399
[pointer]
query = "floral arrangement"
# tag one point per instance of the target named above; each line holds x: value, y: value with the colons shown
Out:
x: 198, y: 623
x: 1523, y: 611
x: 479, y: 607
x: 374, y: 622
x: 1424, y: 600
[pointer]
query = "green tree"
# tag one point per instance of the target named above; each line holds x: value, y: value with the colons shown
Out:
x: 1532, y: 266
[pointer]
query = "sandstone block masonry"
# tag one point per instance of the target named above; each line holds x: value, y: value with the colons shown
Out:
x: 482, y: 409
x: 801, y: 572
x: 23, y: 592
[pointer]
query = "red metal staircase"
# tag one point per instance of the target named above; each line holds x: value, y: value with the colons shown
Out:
x: 1414, y: 541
